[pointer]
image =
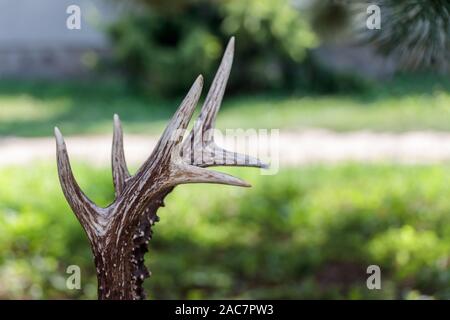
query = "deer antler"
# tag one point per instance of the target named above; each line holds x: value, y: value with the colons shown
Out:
x: 119, y: 234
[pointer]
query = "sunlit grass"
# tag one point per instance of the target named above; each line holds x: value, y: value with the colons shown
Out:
x: 405, y: 103
x: 341, y: 113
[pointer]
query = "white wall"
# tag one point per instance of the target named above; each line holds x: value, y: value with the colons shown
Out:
x: 42, y: 23
x: 36, y: 43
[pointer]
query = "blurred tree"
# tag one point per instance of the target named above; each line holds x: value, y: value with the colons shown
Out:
x: 163, y: 45
x: 416, y: 32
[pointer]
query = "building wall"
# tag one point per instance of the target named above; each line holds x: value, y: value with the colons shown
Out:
x: 35, y: 41
x: 359, y: 60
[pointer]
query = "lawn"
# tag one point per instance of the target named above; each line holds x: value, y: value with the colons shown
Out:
x: 401, y: 104
x: 306, y: 233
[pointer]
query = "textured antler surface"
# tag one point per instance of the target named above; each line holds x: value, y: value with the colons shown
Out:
x: 119, y: 234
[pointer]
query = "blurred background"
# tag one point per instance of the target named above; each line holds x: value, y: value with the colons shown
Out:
x: 364, y: 119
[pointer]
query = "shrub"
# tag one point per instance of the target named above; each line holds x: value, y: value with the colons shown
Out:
x: 305, y: 233
x: 162, y: 47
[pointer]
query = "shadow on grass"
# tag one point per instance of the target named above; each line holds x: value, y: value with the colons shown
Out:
x: 78, y: 108
x: 32, y: 109
x: 407, y: 85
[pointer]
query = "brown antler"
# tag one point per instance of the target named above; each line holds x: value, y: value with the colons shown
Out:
x: 119, y: 234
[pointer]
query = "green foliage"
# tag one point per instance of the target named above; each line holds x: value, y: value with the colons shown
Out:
x: 331, y: 19
x: 304, y: 233
x: 408, y: 250
x: 162, y: 48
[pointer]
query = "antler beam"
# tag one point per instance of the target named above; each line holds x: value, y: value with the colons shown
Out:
x: 119, y: 234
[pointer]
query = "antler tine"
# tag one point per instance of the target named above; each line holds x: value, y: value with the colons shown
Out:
x: 119, y: 234
x: 185, y: 173
x: 201, y: 137
x: 214, y: 155
x: 86, y: 211
x: 173, y: 134
x: 214, y: 98
x: 119, y: 165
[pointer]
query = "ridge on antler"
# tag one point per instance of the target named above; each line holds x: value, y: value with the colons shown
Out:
x: 119, y: 234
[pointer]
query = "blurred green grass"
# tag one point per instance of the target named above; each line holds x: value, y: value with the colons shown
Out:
x: 420, y: 102
x: 307, y: 232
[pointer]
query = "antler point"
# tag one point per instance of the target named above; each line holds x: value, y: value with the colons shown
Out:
x: 199, y: 80
x: 116, y: 121
x: 59, y: 137
x: 230, y: 47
